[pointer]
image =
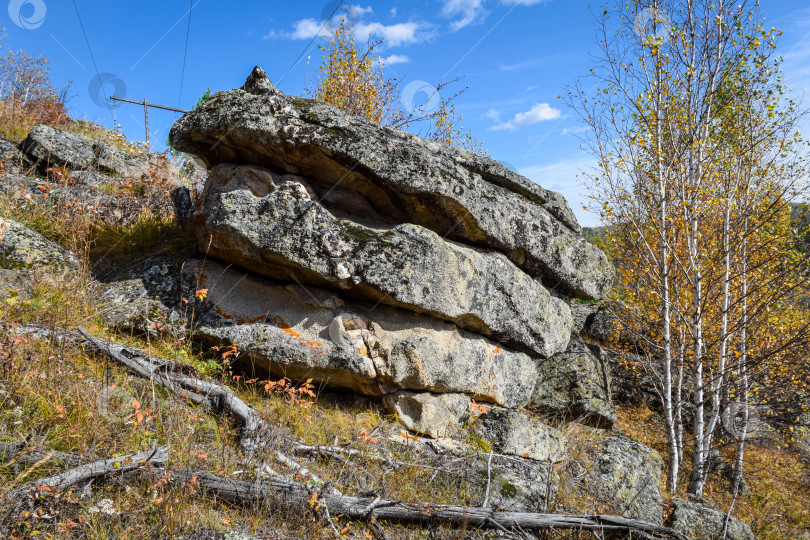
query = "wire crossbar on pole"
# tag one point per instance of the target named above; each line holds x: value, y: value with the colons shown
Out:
x: 146, y: 106
x: 150, y: 105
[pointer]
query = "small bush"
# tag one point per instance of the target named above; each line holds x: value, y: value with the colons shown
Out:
x: 27, y: 95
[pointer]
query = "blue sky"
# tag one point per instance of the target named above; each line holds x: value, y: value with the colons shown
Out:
x: 516, y: 57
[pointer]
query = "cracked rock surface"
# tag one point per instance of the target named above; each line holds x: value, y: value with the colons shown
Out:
x: 374, y: 261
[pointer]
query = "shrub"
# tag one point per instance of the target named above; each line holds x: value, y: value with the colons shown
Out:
x: 27, y: 94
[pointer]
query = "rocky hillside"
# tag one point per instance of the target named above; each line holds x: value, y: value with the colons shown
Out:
x: 350, y: 331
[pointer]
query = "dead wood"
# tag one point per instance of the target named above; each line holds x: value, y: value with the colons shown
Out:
x: 174, y: 378
x: 298, y: 495
x: 364, y: 508
x: 90, y: 471
x: 12, y: 452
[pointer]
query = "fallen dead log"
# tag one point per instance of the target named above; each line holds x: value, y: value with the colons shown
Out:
x: 83, y: 473
x: 299, y: 495
x: 173, y: 377
x: 28, y: 457
x: 90, y: 471
x: 364, y: 508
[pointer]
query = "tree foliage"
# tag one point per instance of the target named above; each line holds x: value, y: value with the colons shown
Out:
x: 203, y: 98
x: 27, y: 94
x: 352, y: 78
x: 699, y: 158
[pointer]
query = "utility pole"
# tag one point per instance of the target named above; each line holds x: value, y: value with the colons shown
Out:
x: 146, y: 106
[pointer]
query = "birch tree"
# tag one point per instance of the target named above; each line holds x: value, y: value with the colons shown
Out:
x: 698, y: 157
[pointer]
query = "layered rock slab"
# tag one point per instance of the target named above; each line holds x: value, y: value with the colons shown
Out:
x: 576, y: 385
x: 515, y: 433
x: 23, y: 249
x: 275, y: 226
x: 408, y: 179
x: 306, y: 332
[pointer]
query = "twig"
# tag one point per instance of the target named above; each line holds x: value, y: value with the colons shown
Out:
x: 83, y: 473
x: 378, y: 528
x: 497, y: 525
x: 489, y: 480
x: 326, y: 510
x: 198, y: 391
x: 330, y: 451
x: 730, y: 508
x: 378, y: 428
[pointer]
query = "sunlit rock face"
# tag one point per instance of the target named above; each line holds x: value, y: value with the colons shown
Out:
x: 371, y: 260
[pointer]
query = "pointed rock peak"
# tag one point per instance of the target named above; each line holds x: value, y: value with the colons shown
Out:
x: 259, y: 83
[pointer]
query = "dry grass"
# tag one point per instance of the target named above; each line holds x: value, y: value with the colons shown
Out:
x: 778, y: 504
x: 57, y: 396
x: 17, y: 119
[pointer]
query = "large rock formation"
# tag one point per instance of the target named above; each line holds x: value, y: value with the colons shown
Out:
x: 389, y: 265
x: 401, y: 177
x: 274, y: 226
x: 85, y: 158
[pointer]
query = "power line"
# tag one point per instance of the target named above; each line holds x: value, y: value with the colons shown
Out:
x: 89, y: 48
x: 310, y: 42
x: 185, y: 54
x: 92, y: 57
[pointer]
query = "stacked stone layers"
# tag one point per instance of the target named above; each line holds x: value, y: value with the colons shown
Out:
x: 444, y: 272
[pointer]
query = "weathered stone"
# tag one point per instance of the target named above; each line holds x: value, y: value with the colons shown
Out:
x: 405, y: 178
x: 602, y: 325
x: 700, y: 520
x: 128, y: 304
x: 272, y: 225
x: 306, y: 332
x: 576, y: 385
x: 12, y: 159
x: 521, y: 485
x: 89, y: 178
x: 183, y: 208
x: 435, y: 415
x: 628, y: 474
x: 515, y: 433
x: 117, y: 162
x: 51, y: 147
x: 23, y: 249
x: 581, y: 313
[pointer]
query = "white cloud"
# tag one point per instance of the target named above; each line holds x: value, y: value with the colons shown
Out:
x: 467, y: 11
x: 396, y: 59
x: 493, y: 115
x: 357, y: 12
x: 393, y: 59
x: 574, y: 130
x: 393, y: 12
x: 541, y: 112
x: 394, y: 34
x: 303, y: 29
